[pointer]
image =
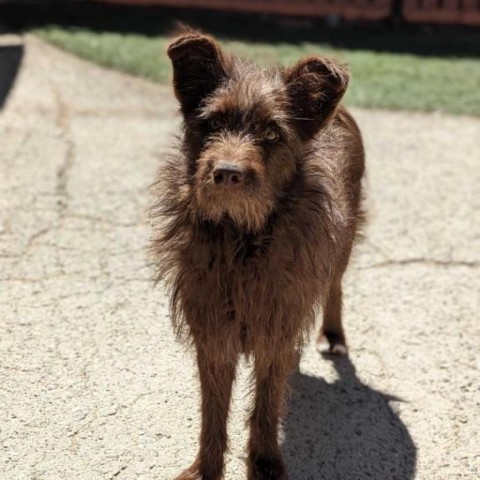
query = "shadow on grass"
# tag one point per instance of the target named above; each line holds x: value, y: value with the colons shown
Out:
x: 154, y: 20
x: 10, y: 60
x: 344, y: 430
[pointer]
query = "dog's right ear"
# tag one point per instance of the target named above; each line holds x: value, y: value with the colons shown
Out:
x: 315, y: 85
x: 199, y: 66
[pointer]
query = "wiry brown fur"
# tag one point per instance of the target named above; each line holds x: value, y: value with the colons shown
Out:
x: 249, y: 265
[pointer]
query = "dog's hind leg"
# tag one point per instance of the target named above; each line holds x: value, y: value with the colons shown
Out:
x: 331, y: 338
x: 271, y: 374
x: 217, y: 373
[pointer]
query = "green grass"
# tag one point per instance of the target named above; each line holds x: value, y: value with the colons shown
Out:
x: 379, y: 80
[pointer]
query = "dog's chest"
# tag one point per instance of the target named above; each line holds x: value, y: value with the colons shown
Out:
x: 242, y: 277
x: 248, y: 288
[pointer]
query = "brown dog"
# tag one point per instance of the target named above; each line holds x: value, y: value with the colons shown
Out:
x: 257, y: 214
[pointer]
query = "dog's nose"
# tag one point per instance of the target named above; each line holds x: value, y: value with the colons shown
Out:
x: 227, y: 174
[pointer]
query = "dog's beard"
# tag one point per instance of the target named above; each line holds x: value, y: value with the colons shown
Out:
x: 248, y: 210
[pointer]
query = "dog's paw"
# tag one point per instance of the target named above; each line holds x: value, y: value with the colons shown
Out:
x: 191, y: 473
x: 331, y: 345
x: 262, y: 468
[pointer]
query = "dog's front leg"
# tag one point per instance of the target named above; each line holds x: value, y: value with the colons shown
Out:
x: 265, y: 459
x: 217, y: 372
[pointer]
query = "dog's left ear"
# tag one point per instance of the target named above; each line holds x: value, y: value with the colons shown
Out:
x: 315, y: 86
x: 199, y: 66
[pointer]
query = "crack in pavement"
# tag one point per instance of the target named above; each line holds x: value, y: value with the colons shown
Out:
x: 62, y: 120
x: 421, y: 261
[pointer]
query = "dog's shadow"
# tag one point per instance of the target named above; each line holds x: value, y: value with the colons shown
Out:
x: 344, y: 430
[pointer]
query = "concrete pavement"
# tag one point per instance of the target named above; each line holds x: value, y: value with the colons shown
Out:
x: 93, y: 384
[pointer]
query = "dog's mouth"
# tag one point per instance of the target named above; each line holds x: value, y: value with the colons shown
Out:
x: 228, y: 197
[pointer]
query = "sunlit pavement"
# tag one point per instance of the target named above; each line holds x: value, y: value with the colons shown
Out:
x: 92, y: 382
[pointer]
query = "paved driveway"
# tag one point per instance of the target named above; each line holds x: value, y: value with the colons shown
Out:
x: 93, y: 384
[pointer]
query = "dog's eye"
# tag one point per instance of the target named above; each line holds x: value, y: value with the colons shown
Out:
x: 271, y: 135
x: 215, y: 123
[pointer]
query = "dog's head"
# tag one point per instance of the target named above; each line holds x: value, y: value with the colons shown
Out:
x: 247, y: 128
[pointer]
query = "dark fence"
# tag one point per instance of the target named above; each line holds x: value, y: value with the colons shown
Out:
x: 466, y: 12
